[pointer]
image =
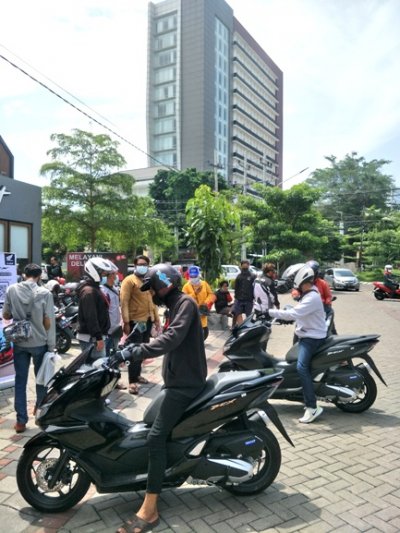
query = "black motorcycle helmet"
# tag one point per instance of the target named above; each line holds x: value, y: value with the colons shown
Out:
x: 315, y: 266
x: 162, y: 279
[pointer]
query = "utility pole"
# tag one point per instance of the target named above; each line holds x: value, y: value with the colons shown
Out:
x: 216, y: 166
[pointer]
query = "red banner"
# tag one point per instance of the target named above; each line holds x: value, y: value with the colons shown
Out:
x: 77, y: 260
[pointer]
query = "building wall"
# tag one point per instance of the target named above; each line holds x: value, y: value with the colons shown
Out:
x: 225, y: 97
x: 256, y: 113
x: 20, y: 209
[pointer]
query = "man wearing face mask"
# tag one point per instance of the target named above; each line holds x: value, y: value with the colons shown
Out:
x: 244, y: 286
x: 137, y: 309
x: 201, y: 292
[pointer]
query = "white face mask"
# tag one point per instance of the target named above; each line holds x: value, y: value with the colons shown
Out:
x: 142, y: 270
x: 194, y: 281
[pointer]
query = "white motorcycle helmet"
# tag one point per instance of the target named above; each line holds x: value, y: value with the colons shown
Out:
x: 95, y: 266
x: 305, y: 273
x: 388, y: 267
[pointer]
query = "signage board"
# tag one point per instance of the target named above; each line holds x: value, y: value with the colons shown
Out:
x: 8, y: 273
x: 76, y: 262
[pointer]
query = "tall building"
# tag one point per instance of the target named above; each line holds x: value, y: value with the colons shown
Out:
x: 214, y: 97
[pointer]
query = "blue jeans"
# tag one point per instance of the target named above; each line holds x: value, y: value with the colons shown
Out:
x: 22, y: 361
x: 307, y: 348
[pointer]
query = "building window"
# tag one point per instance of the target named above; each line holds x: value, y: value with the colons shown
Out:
x: 221, y: 98
x: 165, y: 74
x: 3, y: 237
x: 17, y: 238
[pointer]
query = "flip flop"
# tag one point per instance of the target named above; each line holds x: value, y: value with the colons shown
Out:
x: 133, y: 388
x: 137, y: 524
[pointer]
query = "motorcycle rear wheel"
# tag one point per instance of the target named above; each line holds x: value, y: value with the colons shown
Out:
x: 266, y: 466
x: 363, y: 401
x: 63, y: 341
x: 34, y: 468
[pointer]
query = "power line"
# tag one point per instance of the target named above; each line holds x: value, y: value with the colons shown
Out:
x: 65, y: 100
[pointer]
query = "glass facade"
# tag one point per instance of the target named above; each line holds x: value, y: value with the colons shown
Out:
x: 221, y: 98
x: 164, y: 110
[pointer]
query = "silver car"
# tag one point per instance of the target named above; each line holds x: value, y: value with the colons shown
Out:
x: 342, y: 278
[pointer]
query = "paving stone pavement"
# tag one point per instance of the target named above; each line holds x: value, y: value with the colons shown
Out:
x: 343, y: 474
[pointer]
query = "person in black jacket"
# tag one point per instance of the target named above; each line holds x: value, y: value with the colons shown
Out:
x: 54, y: 269
x: 93, y: 316
x: 243, y: 293
x: 223, y: 302
x: 184, y: 373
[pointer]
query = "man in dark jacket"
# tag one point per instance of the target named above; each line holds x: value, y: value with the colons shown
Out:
x: 184, y: 373
x: 54, y: 269
x: 93, y: 316
x: 244, y: 283
x: 265, y: 294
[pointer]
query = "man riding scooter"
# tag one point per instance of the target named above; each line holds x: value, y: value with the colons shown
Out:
x: 390, y: 280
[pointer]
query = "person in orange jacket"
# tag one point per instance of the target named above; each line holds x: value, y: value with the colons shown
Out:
x: 201, y: 292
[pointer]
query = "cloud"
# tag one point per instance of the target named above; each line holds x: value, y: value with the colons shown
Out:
x: 340, y: 59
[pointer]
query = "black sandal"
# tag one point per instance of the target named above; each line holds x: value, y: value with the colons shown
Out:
x: 139, y: 524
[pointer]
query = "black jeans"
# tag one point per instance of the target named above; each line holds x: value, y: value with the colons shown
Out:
x: 171, y: 410
x: 135, y: 368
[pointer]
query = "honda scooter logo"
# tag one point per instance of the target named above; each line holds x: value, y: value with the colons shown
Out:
x: 3, y: 192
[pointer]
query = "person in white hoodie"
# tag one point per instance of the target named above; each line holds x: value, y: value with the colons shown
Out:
x: 311, y: 330
x: 27, y: 297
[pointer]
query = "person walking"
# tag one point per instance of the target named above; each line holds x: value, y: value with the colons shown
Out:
x: 28, y: 300
x: 201, y: 292
x: 93, y: 317
x: 265, y: 294
x: 244, y: 283
x: 139, y: 312
x: 311, y: 330
x: 184, y: 374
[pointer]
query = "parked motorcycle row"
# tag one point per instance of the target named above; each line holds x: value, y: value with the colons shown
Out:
x: 223, y: 439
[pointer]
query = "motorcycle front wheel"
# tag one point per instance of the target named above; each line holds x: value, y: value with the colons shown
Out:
x: 365, y: 397
x: 63, y: 341
x: 266, y: 465
x: 36, y: 467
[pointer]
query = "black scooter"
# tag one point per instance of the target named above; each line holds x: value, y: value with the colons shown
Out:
x: 222, y: 438
x: 337, y: 379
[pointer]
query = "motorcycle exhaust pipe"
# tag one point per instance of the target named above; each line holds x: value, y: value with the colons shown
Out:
x: 331, y: 392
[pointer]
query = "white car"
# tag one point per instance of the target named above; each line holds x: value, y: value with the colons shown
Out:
x: 230, y: 272
x: 342, y: 278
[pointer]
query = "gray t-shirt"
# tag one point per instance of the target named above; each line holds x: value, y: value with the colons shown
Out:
x: 17, y: 304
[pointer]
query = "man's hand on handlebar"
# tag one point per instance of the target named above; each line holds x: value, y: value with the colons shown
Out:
x: 133, y: 352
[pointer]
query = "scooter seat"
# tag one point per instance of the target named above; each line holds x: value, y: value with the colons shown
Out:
x: 213, y: 386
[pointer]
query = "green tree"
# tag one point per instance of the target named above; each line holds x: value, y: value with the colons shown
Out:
x: 350, y: 186
x: 289, y: 226
x: 171, y: 190
x: 142, y: 229
x: 86, y: 191
x: 209, y: 217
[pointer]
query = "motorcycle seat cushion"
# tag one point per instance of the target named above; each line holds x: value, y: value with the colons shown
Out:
x: 215, y: 384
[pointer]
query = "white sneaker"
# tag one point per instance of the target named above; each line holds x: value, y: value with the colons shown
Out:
x: 310, y: 415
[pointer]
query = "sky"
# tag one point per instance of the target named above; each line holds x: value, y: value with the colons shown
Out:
x: 340, y: 59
